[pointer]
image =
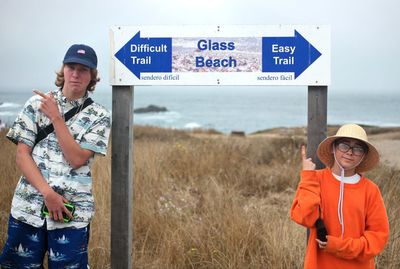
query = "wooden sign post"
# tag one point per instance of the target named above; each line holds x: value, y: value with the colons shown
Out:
x: 122, y: 177
x: 317, y: 119
x: 316, y: 123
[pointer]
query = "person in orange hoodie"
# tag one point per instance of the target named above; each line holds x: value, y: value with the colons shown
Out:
x: 343, y: 209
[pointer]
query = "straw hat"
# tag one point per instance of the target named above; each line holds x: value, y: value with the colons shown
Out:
x: 354, y: 131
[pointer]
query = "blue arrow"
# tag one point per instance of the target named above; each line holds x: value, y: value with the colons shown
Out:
x: 141, y: 55
x: 288, y: 54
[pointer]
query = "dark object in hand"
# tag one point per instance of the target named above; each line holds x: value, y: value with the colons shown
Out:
x: 321, y: 230
x: 66, y: 219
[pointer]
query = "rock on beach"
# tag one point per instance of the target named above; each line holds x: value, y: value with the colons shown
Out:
x: 150, y: 109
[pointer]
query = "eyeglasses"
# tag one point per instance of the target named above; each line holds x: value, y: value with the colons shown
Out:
x: 357, y: 150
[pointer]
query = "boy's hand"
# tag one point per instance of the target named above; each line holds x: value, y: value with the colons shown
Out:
x: 49, y: 105
x: 307, y: 162
x: 55, y: 204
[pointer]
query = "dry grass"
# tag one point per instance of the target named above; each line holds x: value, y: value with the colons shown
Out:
x: 209, y: 201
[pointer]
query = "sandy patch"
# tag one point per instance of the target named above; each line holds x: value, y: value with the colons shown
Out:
x: 389, y: 151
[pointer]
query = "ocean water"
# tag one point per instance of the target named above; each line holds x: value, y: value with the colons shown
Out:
x: 229, y: 108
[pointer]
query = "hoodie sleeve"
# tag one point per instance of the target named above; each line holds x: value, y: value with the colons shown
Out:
x: 305, y: 206
x: 374, y: 238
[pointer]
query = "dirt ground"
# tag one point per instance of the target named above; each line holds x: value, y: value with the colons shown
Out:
x: 388, y: 146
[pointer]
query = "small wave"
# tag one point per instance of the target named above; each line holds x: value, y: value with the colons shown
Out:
x: 7, y: 113
x: 164, y: 116
x: 7, y: 105
x: 192, y: 125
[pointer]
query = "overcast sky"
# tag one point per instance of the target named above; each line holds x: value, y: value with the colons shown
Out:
x: 34, y: 35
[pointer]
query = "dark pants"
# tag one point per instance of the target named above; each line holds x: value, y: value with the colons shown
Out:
x: 26, y: 246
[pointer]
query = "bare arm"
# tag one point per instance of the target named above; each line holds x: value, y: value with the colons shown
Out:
x: 73, y: 153
x: 27, y: 165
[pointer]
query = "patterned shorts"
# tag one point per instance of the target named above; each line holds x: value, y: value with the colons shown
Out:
x: 26, y: 246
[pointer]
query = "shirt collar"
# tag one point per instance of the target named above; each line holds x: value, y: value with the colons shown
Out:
x: 65, y: 102
x: 354, y: 179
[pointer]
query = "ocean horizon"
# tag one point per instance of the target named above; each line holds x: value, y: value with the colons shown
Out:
x: 235, y: 108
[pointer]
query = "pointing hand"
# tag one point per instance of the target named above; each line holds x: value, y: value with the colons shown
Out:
x: 49, y: 105
x: 307, y: 162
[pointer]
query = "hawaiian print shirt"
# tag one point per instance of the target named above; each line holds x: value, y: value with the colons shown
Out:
x: 90, y: 129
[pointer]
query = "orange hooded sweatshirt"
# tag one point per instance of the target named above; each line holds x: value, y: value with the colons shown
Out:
x: 366, y: 227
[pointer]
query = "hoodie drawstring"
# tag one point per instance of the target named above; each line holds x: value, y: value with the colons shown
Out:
x: 341, y: 192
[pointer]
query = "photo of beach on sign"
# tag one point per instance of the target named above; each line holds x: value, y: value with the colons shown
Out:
x: 216, y: 54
